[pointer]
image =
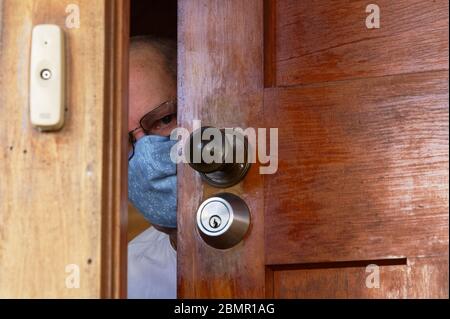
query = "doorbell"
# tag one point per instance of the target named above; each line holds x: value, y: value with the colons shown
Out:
x: 47, y: 78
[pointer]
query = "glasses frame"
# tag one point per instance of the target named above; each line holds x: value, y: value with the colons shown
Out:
x: 131, y: 136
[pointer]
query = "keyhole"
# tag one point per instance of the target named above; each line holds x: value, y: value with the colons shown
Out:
x: 215, y: 221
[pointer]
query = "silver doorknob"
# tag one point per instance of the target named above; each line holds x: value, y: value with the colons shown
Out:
x: 223, y: 220
x: 229, y: 156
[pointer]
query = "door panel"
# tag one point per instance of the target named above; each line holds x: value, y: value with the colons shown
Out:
x: 399, y: 278
x: 363, y: 165
x: 62, y: 194
x: 363, y: 146
x: 317, y: 41
x: 339, y: 281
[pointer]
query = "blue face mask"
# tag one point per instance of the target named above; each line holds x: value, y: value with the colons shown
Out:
x: 152, y: 180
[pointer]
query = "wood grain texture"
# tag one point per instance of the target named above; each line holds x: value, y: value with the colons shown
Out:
x: 220, y: 83
x: 320, y: 41
x: 415, y: 279
x: 363, y: 170
x: 270, y: 45
x: 53, y: 186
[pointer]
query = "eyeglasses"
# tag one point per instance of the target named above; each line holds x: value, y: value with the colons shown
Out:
x: 160, y: 121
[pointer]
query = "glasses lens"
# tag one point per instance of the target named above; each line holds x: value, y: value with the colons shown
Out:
x: 161, y: 120
x: 147, y: 122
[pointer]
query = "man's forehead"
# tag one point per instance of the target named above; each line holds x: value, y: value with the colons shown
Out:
x: 145, y: 53
x: 145, y: 68
x: 150, y: 83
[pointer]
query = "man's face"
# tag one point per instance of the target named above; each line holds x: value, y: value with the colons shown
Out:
x: 150, y: 86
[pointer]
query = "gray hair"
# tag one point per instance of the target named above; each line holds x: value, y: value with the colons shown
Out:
x: 166, y: 47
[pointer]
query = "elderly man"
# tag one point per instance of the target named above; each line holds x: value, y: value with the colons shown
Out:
x: 151, y: 173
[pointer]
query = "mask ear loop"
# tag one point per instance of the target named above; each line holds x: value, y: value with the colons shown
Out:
x: 132, y: 141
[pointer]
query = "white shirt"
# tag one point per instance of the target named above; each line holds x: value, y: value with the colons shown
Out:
x: 152, y: 266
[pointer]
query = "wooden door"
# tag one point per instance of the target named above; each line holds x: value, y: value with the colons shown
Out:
x: 362, y: 117
x: 63, y: 194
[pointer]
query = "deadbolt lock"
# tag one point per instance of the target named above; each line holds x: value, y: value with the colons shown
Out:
x: 223, y: 220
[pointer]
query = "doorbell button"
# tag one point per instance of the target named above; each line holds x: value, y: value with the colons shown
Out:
x: 46, y: 74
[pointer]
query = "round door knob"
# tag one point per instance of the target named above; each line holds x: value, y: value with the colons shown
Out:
x: 227, y: 162
x: 223, y: 220
x: 200, y: 145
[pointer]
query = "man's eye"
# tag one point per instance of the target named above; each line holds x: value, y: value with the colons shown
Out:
x: 162, y: 124
x: 167, y: 119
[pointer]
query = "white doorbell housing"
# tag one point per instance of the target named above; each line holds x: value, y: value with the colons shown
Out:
x: 47, y: 78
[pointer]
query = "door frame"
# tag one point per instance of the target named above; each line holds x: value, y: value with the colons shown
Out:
x: 115, y: 161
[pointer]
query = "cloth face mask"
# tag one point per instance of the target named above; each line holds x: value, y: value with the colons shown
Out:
x: 152, y: 180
